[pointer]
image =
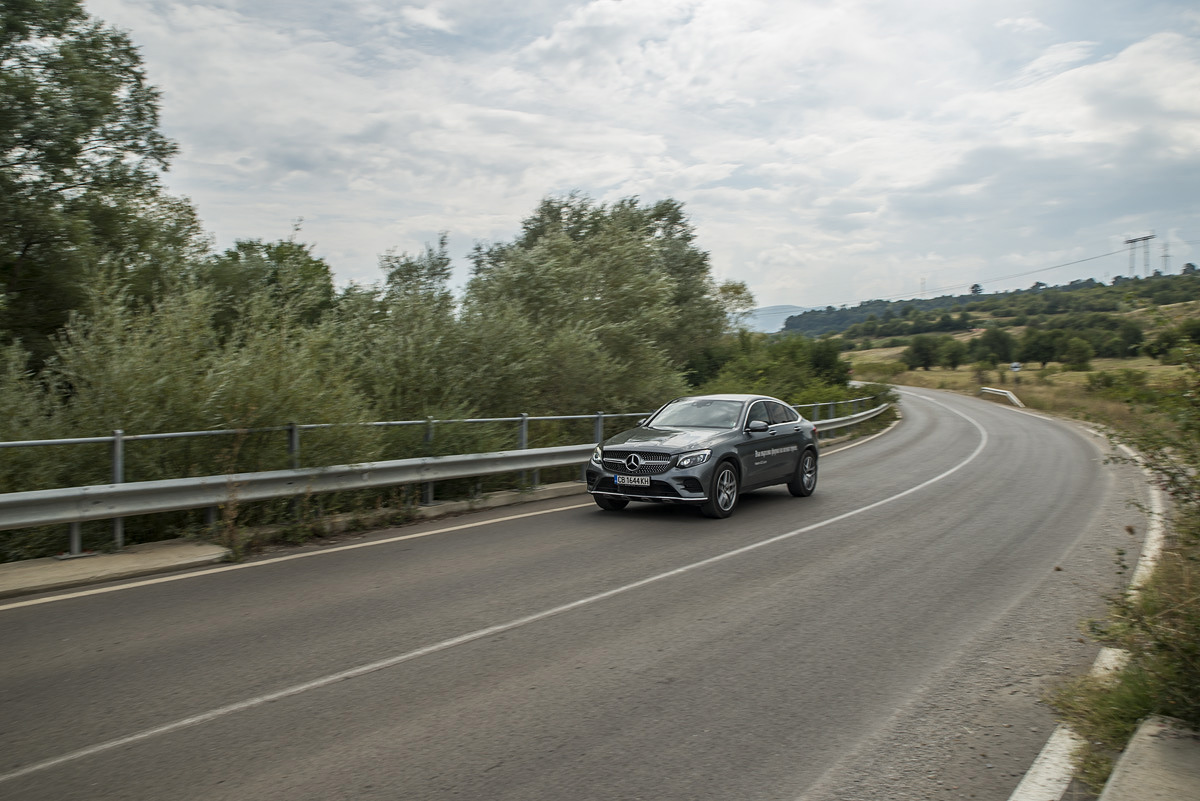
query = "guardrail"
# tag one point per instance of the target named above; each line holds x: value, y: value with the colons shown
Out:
x: 76, y: 505
x: 1013, y: 399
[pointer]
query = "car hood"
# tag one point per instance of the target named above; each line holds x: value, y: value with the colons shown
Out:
x: 671, y: 439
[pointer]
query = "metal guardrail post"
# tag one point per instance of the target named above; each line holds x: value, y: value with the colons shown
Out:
x: 293, y: 433
x: 427, y: 499
x: 598, y: 436
x: 76, y: 544
x: 293, y: 446
x: 523, y: 444
x: 118, y: 477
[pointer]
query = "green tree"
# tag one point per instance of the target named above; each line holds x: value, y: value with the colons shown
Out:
x: 1078, y: 355
x: 793, y: 368
x: 952, y: 353
x: 287, y: 270
x: 402, y: 343
x: 80, y: 154
x: 1037, y: 346
x: 700, y: 311
x: 996, y: 341
x: 621, y: 287
x: 922, y: 353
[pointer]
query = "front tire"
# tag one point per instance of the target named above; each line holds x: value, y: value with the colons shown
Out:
x: 723, y: 496
x: 805, y: 480
x: 610, y: 504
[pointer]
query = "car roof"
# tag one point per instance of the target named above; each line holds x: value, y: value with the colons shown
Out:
x: 731, y: 396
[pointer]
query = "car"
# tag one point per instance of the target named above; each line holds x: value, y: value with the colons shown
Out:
x: 705, y: 450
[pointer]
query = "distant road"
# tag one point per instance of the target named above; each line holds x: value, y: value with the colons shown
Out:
x: 889, y: 637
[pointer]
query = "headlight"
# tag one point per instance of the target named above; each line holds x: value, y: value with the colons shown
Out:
x: 692, y: 459
x: 596, y: 455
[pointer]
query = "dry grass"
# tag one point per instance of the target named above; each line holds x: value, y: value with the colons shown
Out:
x: 1051, y: 390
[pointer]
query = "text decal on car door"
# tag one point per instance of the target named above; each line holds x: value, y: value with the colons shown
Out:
x: 776, y: 451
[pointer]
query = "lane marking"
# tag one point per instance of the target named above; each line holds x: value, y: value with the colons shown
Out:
x: 489, y: 631
x: 337, y: 548
x: 277, y: 559
x: 1050, y: 774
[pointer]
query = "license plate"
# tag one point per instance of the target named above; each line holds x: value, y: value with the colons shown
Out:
x: 633, y: 481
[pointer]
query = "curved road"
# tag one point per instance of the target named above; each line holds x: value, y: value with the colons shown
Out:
x: 889, y: 637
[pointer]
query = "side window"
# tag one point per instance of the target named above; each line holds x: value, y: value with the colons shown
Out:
x: 782, y: 414
x: 759, y: 412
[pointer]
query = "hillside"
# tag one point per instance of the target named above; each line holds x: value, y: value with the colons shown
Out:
x: 882, y: 318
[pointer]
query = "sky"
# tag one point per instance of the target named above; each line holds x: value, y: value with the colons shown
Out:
x: 827, y: 153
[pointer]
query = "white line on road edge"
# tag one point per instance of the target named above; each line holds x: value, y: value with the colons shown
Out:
x: 277, y: 559
x: 1051, y: 773
x: 479, y: 634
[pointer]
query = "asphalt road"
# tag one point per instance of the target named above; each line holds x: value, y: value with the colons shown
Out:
x: 889, y: 637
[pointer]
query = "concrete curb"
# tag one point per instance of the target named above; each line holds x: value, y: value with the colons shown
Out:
x: 46, y: 575
x: 1161, y: 763
x: 145, y: 559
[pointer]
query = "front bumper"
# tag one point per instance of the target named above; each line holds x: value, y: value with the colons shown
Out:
x: 673, y: 486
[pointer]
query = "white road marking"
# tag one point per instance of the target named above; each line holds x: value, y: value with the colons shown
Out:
x: 462, y: 639
x: 1047, y: 779
x: 278, y: 559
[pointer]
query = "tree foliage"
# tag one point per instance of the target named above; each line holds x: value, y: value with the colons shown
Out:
x: 622, y: 287
x: 80, y: 153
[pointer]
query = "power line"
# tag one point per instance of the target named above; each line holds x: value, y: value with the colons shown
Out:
x: 945, y: 289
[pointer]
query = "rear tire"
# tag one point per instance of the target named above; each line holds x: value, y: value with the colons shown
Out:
x: 805, y: 480
x: 610, y: 504
x: 723, y: 496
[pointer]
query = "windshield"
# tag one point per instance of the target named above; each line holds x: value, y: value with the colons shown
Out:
x: 699, y: 413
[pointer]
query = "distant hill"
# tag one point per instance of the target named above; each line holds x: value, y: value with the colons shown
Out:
x: 882, y: 318
x: 770, y: 319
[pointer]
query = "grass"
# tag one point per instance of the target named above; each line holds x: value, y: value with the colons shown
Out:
x: 1159, y: 627
x: 1052, y: 390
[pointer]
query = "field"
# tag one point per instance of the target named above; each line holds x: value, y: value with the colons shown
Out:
x: 1051, y: 389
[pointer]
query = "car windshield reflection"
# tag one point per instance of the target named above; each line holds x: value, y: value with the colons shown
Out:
x: 699, y: 413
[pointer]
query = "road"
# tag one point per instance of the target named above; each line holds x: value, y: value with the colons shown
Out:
x: 889, y: 637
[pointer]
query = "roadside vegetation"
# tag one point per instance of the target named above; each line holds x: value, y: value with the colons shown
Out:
x: 116, y: 312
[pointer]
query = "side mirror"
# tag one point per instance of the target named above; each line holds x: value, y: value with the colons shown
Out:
x: 642, y: 422
x: 757, y: 427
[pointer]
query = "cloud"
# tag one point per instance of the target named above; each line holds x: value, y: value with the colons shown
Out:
x: 826, y: 151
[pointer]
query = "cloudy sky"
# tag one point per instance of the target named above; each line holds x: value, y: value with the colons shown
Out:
x: 828, y: 152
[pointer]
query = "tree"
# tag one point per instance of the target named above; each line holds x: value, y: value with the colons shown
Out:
x: 295, y: 278
x: 1078, y: 355
x: 793, y: 367
x: 1037, y: 346
x: 952, y: 353
x: 624, y: 278
x: 404, y: 347
x: 976, y: 289
x: 996, y: 341
x: 923, y: 352
x: 80, y: 154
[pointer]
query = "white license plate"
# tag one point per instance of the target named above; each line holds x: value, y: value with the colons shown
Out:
x: 633, y: 481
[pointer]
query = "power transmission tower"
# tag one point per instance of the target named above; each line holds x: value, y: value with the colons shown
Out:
x: 1133, y: 243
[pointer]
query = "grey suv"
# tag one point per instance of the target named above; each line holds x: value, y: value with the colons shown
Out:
x: 706, y: 450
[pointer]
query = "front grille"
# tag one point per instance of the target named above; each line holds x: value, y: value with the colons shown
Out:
x: 652, y: 462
